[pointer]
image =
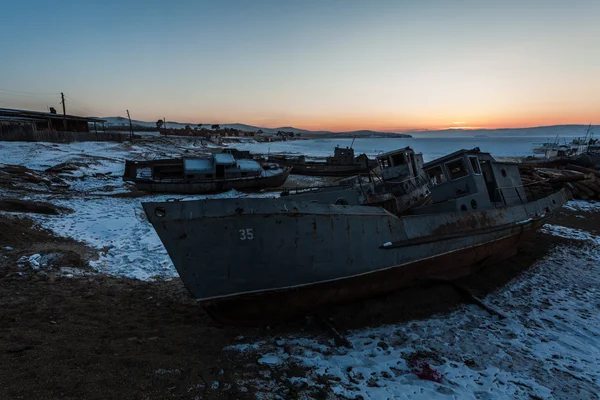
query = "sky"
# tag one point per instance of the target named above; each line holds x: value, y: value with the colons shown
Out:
x: 390, y: 65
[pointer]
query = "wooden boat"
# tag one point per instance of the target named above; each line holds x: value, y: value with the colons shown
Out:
x: 218, y: 173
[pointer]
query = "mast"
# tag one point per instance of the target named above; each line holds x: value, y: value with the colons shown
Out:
x: 587, y: 131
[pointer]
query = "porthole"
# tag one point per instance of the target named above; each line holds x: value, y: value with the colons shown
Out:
x: 473, y: 204
x: 160, y: 212
x: 341, y: 201
x: 503, y: 172
x: 463, y: 208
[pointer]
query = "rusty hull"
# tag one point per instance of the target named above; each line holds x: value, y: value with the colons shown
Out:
x: 284, y: 304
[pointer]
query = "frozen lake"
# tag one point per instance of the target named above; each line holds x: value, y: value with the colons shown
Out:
x: 431, y: 147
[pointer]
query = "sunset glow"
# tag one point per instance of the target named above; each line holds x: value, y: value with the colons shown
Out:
x: 322, y: 65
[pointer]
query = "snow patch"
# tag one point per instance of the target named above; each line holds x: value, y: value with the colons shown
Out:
x: 162, y: 371
x: 581, y: 205
x: 269, y: 360
x: 525, y: 221
x: 569, y: 233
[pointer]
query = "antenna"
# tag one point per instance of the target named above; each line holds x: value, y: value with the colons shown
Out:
x: 62, y: 96
x: 587, y: 131
x: 353, y: 141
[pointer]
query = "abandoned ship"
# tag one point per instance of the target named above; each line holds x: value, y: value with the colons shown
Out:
x: 343, y: 163
x: 218, y: 173
x: 244, y: 258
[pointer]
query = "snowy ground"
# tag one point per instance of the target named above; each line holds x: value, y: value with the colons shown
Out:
x: 116, y: 226
x: 547, y: 347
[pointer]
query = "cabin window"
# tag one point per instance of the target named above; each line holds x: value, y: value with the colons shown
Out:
x: 456, y: 169
x: 208, y: 175
x: 398, y: 159
x: 475, y: 165
x: 436, y: 175
x: 190, y: 176
x: 244, y: 174
x: 384, y: 163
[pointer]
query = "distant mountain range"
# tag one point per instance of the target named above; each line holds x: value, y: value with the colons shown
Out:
x: 124, y: 122
x: 542, y: 131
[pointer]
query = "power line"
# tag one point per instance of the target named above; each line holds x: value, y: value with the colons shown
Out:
x: 28, y: 96
x: 76, y: 105
x: 57, y: 96
x: 86, y: 107
x: 18, y: 93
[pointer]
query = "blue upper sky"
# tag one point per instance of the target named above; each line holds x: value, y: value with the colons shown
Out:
x: 317, y: 64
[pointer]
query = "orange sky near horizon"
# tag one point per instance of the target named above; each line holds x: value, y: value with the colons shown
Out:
x: 336, y: 65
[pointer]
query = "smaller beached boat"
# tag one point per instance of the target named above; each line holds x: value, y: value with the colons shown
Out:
x: 343, y: 163
x: 218, y: 173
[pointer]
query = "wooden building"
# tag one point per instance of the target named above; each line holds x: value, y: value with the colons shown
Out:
x: 25, y: 121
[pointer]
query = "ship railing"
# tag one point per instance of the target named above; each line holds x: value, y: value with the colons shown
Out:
x: 530, y: 192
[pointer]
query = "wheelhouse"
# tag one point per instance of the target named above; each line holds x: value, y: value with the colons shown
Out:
x: 471, y: 179
x: 399, y: 165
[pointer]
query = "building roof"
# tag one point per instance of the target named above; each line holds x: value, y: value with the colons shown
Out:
x: 44, y: 115
x: 20, y: 119
x: 454, y: 155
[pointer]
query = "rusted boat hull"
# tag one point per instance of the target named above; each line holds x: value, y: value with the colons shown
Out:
x: 293, y: 256
x: 325, y: 170
x: 213, y: 186
x: 283, y: 304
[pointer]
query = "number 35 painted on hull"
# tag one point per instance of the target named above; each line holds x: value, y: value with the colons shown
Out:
x: 246, y: 234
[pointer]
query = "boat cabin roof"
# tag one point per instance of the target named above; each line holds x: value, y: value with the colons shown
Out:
x: 342, y: 151
x: 394, y: 152
x: 248, y: 165
x: 224, y: 159
x: 207, y: 165
x: 203, y: 165
x: 458, y: 154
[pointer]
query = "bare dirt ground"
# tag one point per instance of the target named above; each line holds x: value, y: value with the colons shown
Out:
x: 90, y: 336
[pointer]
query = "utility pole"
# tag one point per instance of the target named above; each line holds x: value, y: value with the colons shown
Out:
x: 62, y: 95
x: 165, y: 125
x: 130, y: 126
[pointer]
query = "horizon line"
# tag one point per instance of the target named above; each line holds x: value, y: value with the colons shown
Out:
x: 399, y: 131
